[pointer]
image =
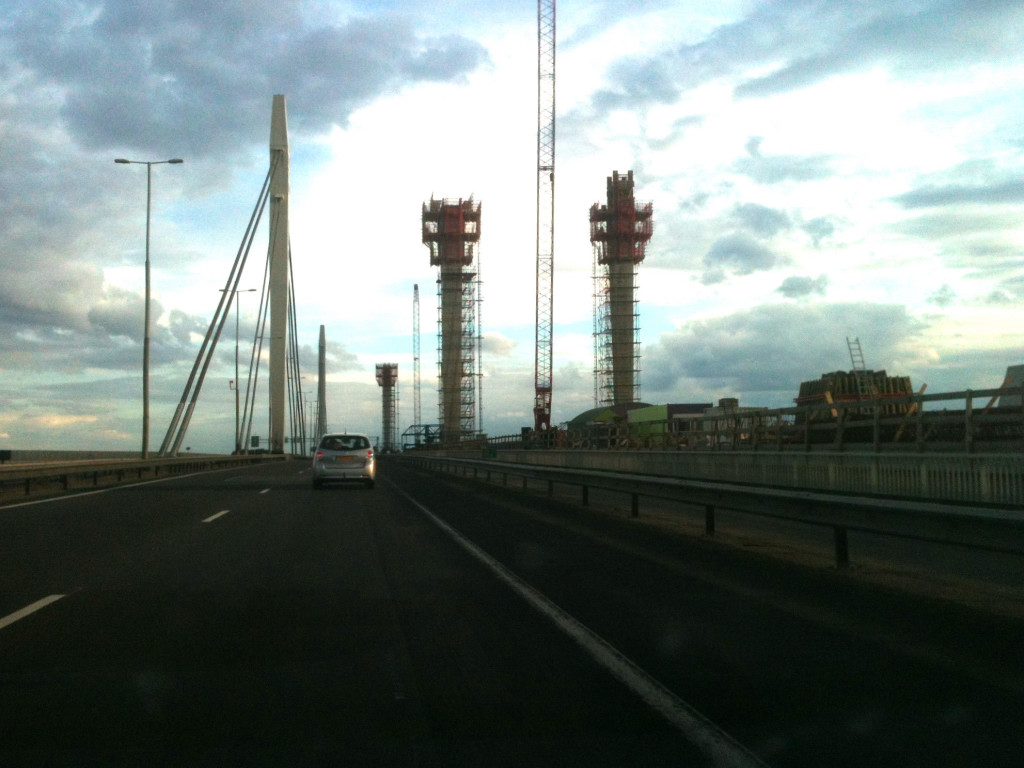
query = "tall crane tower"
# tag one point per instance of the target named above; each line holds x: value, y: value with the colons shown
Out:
x: 545, y: 211
x: 417, y: 416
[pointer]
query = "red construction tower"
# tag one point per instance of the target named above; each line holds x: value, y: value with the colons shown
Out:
x: 387, y: 378
x: 451, y: 230
x: 619, y: 232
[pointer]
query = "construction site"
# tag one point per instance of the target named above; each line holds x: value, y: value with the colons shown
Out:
x: 856, y: 406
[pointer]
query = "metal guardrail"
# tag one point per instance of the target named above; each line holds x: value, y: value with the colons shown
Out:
x: 975, y: 527
x: 62, y: 477
x: 977, y: 478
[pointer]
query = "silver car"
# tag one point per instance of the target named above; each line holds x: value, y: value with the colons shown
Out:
x: 344, y: 457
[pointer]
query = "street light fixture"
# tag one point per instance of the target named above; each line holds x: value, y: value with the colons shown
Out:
x: 145, y: 342
x: 235, y: 298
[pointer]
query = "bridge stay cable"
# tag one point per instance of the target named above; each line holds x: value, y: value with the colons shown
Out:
x: 182, y: 416
x: 297, y: 413
x: 257, y: 352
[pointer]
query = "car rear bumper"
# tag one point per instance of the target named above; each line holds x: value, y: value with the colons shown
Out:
x: 338, y: 470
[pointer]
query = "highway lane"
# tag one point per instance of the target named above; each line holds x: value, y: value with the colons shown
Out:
x: 806, y: 666
x: 242, y: 617
x: 931, y: 568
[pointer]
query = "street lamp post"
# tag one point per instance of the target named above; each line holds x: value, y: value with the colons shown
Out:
x: 235, y: 298
x: 145, y: 339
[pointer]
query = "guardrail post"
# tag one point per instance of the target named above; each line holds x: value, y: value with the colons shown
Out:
x: 585, y: 494
x: 876, y: 429
x: 919, y: 427
x: 635, y: 505
x: 551, y: 488
x: 524, y: 482
x: 969, y: 423
x: 709, y: 520
x: 842, y: 547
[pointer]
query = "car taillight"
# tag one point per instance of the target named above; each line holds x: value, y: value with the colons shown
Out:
x: 319, y: 454
x: 369, y: 454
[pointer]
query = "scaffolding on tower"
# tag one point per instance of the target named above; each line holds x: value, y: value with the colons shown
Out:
x: 451, y: 230
x: 619, y: 232
x: 387, y: 378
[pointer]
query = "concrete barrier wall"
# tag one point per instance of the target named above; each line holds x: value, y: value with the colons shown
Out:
x: 985, y: 478
x: 19, y: 456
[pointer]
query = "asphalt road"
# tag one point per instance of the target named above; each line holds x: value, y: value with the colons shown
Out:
x: 242, y: 618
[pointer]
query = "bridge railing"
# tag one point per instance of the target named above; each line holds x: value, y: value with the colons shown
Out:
x: 18, y: 481
x: 971, y: 526
x: 960, y: 422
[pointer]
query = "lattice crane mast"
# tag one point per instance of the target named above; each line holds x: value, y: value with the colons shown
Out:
x: 417, y: 410
x: 545, y: 211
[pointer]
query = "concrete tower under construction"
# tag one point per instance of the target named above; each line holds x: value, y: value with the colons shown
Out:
x: 451, y: 230
x: 387, y: 378
x: 619, y: 231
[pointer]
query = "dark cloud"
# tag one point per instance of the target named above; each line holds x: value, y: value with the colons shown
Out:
x: 773, y: 169
x: 674, y: 135
x: 819, y: 229
x: 1011, y: 192
x: 122, y: 313
x: 85, y: 82
x: 798, y: 287
x: 944, y: 297
x: 761, y: 220
x: 336, y: 357
x: 813, y: 41
x: 196, y: 78
x: 903, y: 36
x: 738, y: 254
x: 998, y: 299
x: 957, y: 223
x: 772, y: 347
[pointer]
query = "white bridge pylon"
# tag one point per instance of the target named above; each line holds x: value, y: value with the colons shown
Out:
x: 276, y: 306
x: 279, y: 271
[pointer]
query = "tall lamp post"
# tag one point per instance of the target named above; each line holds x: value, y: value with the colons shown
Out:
x: 145, y: 341
x: 235, y: 298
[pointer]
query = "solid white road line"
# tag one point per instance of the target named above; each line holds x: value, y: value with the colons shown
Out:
x: 719, y: 746
x: 211, y: 518
x: 6, y: 621
x: 265, y: 490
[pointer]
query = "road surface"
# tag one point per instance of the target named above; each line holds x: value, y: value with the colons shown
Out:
x: 242, y: 618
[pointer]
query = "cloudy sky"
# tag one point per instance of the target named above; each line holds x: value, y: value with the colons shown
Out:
x: 819, y: 169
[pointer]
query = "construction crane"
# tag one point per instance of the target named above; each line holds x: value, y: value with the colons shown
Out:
x: 545, y: 211
x: 417, y: 416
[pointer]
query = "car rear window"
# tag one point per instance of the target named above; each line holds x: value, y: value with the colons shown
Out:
x: 344, y: 443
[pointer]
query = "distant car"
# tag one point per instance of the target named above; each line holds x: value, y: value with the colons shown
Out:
x: 344, y: 458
